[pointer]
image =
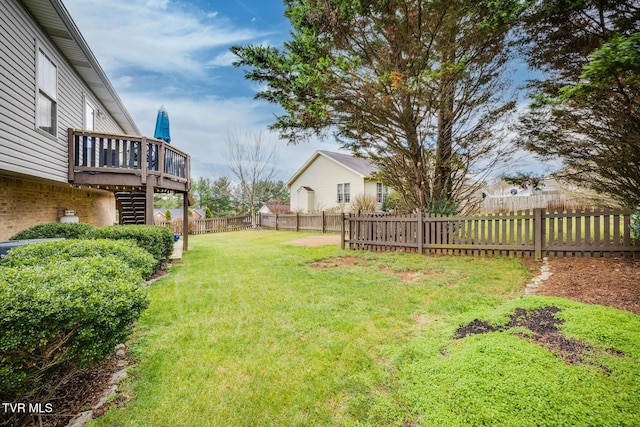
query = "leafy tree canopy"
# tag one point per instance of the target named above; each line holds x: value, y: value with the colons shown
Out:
x: 586, y: 110
x: 417, y: 86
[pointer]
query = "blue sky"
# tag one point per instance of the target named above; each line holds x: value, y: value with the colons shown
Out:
x: 176, y: 53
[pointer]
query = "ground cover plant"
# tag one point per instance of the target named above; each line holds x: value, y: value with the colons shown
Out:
x: 249, y: 331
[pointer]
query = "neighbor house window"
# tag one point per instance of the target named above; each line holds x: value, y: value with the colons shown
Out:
x: 47, y: 114
x: 381, y: 192
x: 344, y: 193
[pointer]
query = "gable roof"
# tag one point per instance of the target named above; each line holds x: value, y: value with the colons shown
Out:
x: 55, y: 21
x: 359, y: 165
x: 176, y: 212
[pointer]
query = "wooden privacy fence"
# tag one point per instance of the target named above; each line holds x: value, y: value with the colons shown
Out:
x: 323, y: 222
x: 210, y: 225
x: 595, y: 233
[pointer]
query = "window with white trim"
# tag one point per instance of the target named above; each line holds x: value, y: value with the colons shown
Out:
x: 344, y: 193
x: 89, y: 116
x: 381, y: 192
x: 47, y: 96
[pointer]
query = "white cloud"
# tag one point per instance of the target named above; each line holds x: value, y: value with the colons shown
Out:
x: 201, y: 128
x: 133, y: 37
x: 225, y: 59
x: 151, y: 35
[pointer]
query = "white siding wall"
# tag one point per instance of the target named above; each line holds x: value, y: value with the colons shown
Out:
x: 23, y: 149
x: 370, y: 187
x: 323, y: 175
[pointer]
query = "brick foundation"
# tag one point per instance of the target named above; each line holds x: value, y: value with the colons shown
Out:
x: 24, y: 204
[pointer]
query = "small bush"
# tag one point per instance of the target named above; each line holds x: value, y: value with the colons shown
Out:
x: 61, y: 317
x: 68, y: 230
x: 156, y: 240
x: 364, y: 203
x: 65, y: 250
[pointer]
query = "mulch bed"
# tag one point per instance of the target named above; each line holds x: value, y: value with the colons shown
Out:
x: 613, y: 282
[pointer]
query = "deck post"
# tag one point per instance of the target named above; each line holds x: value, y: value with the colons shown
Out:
x: 72, y: 155
x: 144, y: 153
x: 185, y: 221
x: 148, y: 211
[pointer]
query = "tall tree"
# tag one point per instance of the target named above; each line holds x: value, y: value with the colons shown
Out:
x: 275, y: 192
x: 222, y: 201
x: 586, y: 108
x: 253, y: 162
x: 417, y: 86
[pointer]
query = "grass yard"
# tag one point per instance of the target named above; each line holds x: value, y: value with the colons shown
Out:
x: 249, y: 331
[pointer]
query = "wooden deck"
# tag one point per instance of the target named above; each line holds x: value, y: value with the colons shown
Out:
x: 123, y: 160
x: 124, y: 164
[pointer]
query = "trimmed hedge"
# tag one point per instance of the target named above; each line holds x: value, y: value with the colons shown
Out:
x: 65, y: 250
x: 157, y: 240
x: 68, y: 230
x: 62, y: 316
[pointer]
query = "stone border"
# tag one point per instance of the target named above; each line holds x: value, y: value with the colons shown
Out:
x: 545, y: 273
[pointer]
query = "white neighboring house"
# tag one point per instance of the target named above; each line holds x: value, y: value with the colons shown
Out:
x: 331, y: 180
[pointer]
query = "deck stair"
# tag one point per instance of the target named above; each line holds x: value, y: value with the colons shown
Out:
x: 132, y: 207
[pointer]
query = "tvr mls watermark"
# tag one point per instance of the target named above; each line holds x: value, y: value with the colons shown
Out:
x: 27, y: 408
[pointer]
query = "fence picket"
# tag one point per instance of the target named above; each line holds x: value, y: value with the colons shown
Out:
x: 523, y: 233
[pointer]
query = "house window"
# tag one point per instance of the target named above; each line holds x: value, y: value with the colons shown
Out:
x: 47, y: 82
x: 89, y: 116
x: 344, y: 193
x: 381, y: 192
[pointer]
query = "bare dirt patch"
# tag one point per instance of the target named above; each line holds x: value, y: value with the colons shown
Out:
x: 348, y: 261
x: 544, y: 331
x: 405, y: 276
x: 613, y: 282
x: 315, y: 241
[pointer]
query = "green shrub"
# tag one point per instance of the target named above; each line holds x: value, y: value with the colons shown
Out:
x: 67, y: 230
x: 156, y: 240
x: 61, y: 317
x: 65, y: 250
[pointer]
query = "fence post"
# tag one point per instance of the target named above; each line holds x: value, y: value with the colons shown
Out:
x: 324, y: 228
x: 420, y: 235
x: 538, y: 232
x: 297, y: 221
x: 276, y: 221
x: 341, y: 230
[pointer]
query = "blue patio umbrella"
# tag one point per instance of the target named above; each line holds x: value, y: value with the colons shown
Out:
x: 162, y: 125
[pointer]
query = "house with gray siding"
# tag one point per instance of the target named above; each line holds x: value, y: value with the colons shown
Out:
x: 67, y: 142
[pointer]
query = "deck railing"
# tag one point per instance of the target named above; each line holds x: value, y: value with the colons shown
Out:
x: 93, y: 152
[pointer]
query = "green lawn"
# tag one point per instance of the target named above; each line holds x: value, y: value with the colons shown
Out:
x: 245, y: 332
